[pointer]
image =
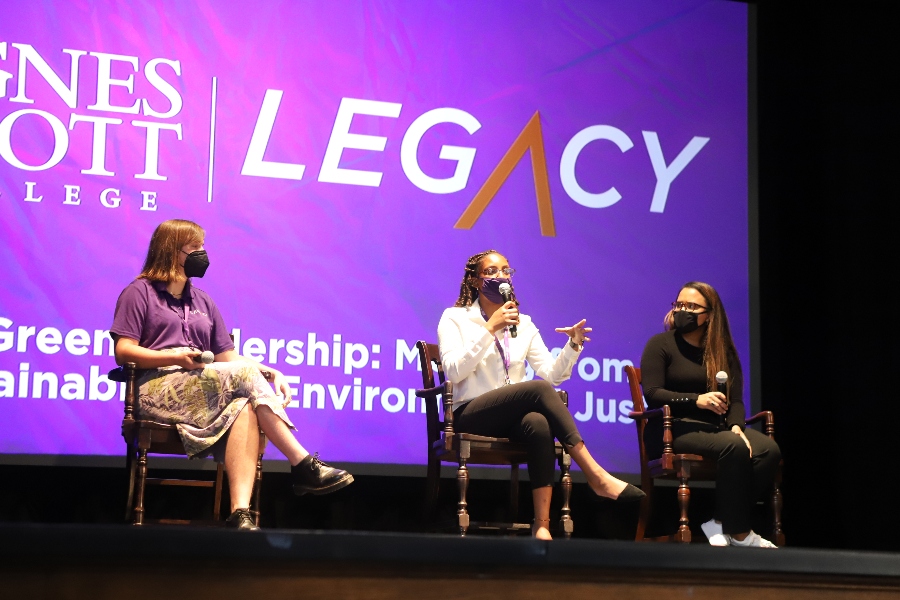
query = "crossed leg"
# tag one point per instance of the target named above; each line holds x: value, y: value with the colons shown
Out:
x: 242, y: 449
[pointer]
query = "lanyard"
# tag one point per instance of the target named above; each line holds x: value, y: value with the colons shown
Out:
x: 187, y: 311
x: 503, y: 355
x: 186, y: 307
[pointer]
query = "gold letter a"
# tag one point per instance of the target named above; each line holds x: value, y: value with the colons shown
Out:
x: 530, y: 138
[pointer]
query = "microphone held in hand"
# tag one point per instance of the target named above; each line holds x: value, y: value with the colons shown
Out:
x: 506, y: 291
x: 722, y: 388
x: 205, y: 357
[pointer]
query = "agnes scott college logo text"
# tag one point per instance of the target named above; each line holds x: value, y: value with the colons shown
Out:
x: 116, y: 76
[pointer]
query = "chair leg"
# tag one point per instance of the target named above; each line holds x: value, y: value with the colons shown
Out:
x: 256, y: 501
x: 644, y: 512
x: 217, y: 503
x: 777, y: 533
x: 566, y: 525
x: 141, y: 482
x: 684, y: 499
x: 432, y: 489
x: 257, y: 490
x: 462, y: 480
x: 645, y: 509
x: 513, y: 493
x: 129, y: 471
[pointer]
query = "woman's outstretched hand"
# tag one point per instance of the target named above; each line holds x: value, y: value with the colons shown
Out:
x: 577, y: 332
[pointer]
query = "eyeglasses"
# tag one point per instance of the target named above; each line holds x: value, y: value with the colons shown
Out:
x: 491, y: 271
x: 688, y: 306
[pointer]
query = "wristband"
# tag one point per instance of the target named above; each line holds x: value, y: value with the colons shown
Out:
x: 575, y: 346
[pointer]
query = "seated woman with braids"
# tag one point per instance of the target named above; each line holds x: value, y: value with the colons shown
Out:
x: 487, y: 367
x: 162, y: 324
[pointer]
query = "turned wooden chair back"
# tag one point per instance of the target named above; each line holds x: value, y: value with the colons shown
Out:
x: 434, y: 381
x: 633, y: 375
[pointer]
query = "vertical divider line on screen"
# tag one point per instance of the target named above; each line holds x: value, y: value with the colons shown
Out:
x: 212, y: 140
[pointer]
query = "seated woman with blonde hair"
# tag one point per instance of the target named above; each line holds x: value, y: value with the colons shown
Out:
x: 163, y: 323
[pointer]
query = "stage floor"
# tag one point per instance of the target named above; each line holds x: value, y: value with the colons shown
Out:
x: 106, y: 561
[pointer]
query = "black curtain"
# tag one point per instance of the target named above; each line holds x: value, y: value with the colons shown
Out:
x: 828, y: 263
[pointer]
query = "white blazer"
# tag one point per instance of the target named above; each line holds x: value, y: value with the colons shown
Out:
x: 472, y: 363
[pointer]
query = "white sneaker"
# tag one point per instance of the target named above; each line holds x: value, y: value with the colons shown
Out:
x: 754, y: 540
x: 713, y: 532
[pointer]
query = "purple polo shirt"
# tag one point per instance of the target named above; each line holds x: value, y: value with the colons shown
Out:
x: 146, y: 312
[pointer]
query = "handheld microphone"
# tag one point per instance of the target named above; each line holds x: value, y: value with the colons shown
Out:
x: 206, y: 357
x: 506, y: 291
x: 722, y: 387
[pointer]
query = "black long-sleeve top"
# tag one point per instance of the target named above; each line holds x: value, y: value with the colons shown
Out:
x: 673, y: 373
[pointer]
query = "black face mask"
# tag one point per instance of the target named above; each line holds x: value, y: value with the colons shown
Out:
x: 196, y: 263
x: 686, y: 322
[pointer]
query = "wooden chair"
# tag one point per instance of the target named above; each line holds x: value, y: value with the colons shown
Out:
x: 445, y: 444
x: 144, y: 437
x: 684, y: 467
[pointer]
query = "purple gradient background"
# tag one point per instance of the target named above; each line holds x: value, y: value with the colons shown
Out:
x: 378, y: 264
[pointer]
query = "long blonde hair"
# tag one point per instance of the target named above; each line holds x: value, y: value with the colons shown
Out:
x: 166, y: 242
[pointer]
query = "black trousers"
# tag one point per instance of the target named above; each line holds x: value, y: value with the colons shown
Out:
x: 530, y: 412
x: 740, y: 479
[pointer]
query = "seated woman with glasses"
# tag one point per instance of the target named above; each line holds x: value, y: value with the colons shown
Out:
x: 163, y: 324
x: 679, y: 368
x: 485, y: 360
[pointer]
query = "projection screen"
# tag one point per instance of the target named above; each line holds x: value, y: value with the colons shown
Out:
x: 344, y: 159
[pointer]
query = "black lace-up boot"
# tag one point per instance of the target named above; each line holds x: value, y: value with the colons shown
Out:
x: 241, y: 519
x: 312, y: 476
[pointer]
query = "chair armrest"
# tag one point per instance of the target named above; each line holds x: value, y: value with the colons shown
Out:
x: 765, y: 415
x: 769, y: 420
x: 446, y: 392
x: 118, y: 375
x: 441, y: 389
x: 665, y: 412
x: 127, y: 374
x: 647, y: 414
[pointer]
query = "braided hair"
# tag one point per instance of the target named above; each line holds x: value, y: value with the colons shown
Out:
x: 467, y: 292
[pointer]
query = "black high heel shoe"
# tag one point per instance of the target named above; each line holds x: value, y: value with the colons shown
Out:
x: 629, y: 494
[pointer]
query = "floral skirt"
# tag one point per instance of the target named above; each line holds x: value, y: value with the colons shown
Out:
x: 203, y: 403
